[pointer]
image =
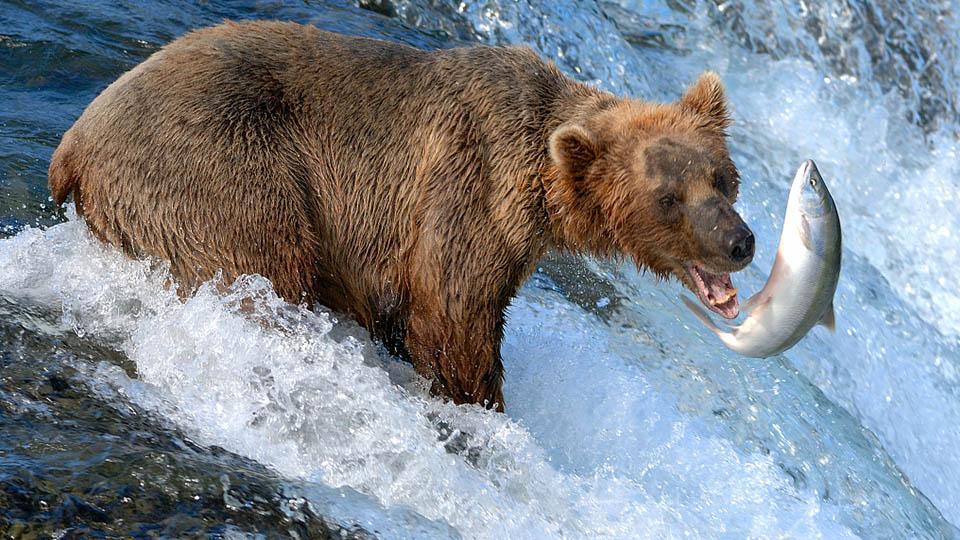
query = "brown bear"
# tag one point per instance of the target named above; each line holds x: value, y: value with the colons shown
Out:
x: 413, y: 190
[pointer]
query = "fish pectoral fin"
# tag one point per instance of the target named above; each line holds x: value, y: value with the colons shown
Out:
x: 755, y: 302
x: 829, y: 320
x: 806, y: 236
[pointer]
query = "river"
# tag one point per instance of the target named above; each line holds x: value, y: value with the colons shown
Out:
x: 125, y: 411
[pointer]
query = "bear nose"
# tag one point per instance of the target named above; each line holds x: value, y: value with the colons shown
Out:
x: 740, y: 244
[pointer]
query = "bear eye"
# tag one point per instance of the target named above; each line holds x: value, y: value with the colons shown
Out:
x: 719, y: 184
x: 668, y: 201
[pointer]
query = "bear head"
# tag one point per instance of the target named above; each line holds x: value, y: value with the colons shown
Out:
x: 654, y: 182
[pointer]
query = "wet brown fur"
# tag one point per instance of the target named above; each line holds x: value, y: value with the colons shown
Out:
x: 413, y: 190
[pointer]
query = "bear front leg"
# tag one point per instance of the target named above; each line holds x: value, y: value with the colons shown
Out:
x: 459, y: 352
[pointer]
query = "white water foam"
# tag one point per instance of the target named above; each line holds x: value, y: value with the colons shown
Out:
x: 592, y: 448
x: 895, y: 360
x: 895, y: 357
x: 612, y: 431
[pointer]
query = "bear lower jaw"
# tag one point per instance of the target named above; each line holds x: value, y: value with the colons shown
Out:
x: 715, y: 291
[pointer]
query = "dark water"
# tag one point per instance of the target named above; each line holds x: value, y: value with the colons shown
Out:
x: 73, y: 466
x: 57, y: 56
x: 126, y: 413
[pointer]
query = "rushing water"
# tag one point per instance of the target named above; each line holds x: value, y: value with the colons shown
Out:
x: 126, y: 411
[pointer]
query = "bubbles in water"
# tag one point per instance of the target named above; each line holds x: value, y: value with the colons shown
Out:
x: 637, y: 425
x: 866, y: 89
x: 596, y: 445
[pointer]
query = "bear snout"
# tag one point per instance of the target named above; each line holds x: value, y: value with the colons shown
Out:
x: 740, y: 244
x: 726, y: 243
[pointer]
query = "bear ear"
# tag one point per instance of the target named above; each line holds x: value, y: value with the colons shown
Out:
x: 573, y: 149
x: 707, y: 98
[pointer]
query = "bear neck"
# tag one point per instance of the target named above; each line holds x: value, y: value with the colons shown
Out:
x: 572, y: 227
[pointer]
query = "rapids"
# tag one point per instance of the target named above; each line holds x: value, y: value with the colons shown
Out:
x: 624, y: 417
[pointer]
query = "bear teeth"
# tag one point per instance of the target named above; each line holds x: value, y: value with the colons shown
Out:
x: 724, y: 298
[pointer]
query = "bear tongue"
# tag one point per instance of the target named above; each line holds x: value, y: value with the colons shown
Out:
x: 716, y: 291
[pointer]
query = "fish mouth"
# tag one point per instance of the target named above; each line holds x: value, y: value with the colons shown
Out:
x: 716, y: 291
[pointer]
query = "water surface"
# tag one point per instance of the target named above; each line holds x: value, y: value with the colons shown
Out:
x: 125, y: 411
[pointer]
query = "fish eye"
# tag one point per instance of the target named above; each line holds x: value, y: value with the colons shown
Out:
x: 813, y: 182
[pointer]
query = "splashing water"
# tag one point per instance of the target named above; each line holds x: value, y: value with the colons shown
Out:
x: 626, y: 453
x: 625, y: 419
x: 856, y: 87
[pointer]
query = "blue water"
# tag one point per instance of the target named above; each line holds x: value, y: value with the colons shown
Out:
x: 625, y: 417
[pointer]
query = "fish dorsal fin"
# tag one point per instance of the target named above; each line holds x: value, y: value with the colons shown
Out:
x: 828, y: 320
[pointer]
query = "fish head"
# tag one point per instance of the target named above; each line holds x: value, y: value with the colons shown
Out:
x: 809, y: 193
x: 811, y: 215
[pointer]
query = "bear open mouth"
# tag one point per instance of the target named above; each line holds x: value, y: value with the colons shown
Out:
x: 715, y: 291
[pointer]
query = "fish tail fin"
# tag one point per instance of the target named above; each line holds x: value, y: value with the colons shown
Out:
x: 702, y: 315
